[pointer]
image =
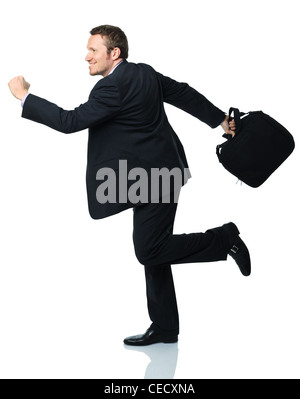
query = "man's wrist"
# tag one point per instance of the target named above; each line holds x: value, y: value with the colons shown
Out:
x: 24, y: 98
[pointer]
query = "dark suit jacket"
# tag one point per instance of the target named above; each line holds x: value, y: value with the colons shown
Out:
x: 126, y: 120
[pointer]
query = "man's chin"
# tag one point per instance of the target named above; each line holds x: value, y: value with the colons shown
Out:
x: 94, y: 73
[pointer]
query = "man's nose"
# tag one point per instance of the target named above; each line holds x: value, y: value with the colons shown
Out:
x: 88, y: 57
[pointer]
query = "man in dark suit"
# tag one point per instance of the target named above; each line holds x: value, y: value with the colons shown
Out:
x: 127, y: 122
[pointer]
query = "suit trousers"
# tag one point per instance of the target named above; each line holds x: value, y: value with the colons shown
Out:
x: 157, y: 248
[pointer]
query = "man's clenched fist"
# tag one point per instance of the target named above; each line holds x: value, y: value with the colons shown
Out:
x: 229, y: 126
x: 19, y: 87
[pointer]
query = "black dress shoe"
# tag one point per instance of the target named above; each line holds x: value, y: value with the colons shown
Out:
x: 150, y: 337
x: 238, y: 251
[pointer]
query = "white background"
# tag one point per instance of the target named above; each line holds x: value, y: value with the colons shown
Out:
x: 70, y: 287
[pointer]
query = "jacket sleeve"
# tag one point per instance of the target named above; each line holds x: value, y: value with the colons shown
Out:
x: 103, y: 104
x: 182, y: 96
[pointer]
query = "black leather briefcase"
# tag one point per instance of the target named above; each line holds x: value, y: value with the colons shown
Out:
x: 260, y: 146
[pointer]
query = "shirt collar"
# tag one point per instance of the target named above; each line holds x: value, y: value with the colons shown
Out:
x: 115, y: 67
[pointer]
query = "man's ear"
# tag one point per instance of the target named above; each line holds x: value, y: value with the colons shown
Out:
x: 116, y: 53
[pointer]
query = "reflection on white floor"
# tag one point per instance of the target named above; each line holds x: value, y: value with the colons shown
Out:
x: 163, y: 359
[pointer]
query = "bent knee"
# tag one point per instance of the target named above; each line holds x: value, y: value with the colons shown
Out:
x: 145, y: 256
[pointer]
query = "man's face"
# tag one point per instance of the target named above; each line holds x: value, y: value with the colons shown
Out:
x: 100, y: 62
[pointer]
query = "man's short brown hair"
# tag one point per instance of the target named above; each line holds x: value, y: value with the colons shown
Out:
x: 115, y: 37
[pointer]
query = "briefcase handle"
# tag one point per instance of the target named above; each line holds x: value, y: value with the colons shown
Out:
x: 237, y: 117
